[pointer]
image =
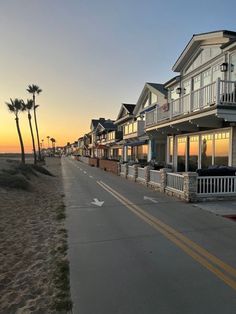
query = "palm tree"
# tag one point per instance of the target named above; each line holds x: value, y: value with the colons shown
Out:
x: 53, y: 144
x: 48, y: 137
x: 15, y: 106
x: 29, y: 105
x: 34, y: 89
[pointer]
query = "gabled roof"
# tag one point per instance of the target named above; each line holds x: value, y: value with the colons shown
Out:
x: 107, y: 125
x: 127, y: 109
x: 153, y: 87
x: 94, y: 122
x: 220, y: 37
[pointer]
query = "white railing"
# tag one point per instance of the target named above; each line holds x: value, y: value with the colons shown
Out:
x: 175, y: 107
x: 141, y: 173
x: 151, y: 117
x: 131, y: 171
x: 204, y: 97
x: 218, y: 92
x: 155, y: 176
x: 175, y: 181
x: 227, y: 92
x: 122, y: 168
x: 162, y: 114
x: 216, y: 185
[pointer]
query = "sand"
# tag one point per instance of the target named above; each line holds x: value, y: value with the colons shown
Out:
x: 30, y: 241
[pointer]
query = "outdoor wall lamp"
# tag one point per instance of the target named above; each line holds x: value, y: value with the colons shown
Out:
x: 178, y: 90
x: 224, y: 67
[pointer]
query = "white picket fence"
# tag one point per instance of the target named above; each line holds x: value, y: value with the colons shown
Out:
x: 131, y: 171
x: 122, y: 168
x: 175, y: 181
x: 141, y: 173
x: 225, y: 185
x: 155, y: 177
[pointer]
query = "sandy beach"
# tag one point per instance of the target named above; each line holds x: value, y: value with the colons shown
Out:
x: 32, y: 244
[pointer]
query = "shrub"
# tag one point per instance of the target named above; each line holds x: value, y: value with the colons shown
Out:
x: 14, y: 181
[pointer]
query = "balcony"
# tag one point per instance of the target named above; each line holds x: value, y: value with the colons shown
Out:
x: 134, y: 129
x: 220, y: 95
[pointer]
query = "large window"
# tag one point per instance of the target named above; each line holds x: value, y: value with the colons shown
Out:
x: 193, y: 153
x: 142, y: 151
x: 206, y: 150
x: 221, y: 149
x: 181, y: 153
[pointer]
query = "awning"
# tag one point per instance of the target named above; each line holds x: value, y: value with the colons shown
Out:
x: 149, y: 108
x: 138, y: 143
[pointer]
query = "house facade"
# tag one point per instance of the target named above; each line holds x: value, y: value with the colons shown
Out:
x: 197, y: 121
x: 139, y: 145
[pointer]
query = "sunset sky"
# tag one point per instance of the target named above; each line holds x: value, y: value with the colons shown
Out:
x: 89, y: 56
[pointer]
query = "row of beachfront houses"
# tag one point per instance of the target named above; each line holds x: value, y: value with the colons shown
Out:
x: 185, y: 124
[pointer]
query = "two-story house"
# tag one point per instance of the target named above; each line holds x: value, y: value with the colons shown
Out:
x: 125, y: 116
x: 139, y: 146
x: 198, y: 121
x: 102, y: 131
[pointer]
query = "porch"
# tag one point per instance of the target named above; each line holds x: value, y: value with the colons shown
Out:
x: 219, y: 96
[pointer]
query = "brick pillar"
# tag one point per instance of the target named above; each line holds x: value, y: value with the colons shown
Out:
x: 163, y: 172
x: 190, y: 186
x: 147, y: 174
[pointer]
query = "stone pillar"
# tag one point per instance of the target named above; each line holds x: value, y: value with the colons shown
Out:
x: 147, y: 174
x: 118, y: 168
x: 190, y: 186
x: 164, y: 172
x: 135, y: 172
x: 126, y: 170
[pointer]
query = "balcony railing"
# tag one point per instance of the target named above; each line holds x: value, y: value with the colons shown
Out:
x: 216, y: 93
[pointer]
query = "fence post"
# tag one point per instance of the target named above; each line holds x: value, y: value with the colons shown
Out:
x: 126, y: 170
x: 118, y: 168
x: 163, y: 173
x: 190, y: 186
x: 135, y: 172
x: 147, y: 174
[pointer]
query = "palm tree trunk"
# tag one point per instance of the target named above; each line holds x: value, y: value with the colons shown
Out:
x: 36, y: 126
x: 21, y: 141
x: 32, y: 136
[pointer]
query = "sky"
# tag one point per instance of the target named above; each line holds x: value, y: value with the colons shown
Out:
x: 89, y: 56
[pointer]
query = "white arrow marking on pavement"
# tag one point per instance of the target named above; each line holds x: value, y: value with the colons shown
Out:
x: 97, y: 202
x: 85, y: 172
x: 90, y: 176
x: 150, y: 199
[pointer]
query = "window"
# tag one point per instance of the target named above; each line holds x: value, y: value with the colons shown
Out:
x: 233, y: 67
x: 187, y: 87
x: 193, y: 153
x: 130, y: 128
x: 126, y: 129
x: 221, y: 149
x: 154, y: 98
x: 181, y: 153
x: 135, y: 126
x: 206, y: 150
x: 142, y: 151
x: 216, y: 72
